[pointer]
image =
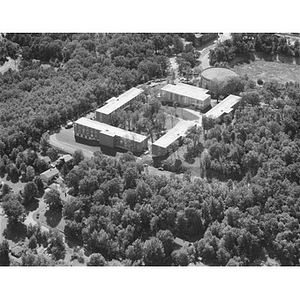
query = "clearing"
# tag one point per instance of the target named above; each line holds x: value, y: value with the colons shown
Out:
x: 269, y: 70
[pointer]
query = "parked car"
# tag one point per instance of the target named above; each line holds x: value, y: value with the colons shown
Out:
x: 160, y: 168
x: 69, y: 125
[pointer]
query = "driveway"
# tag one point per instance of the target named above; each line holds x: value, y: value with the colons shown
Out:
x: 67, y: 147
x: 204, y: 57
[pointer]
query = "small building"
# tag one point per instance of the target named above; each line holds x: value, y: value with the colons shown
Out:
x: 103, y: 114
x: 48, y: 175
x: 180, y: 243
x: 224, y: 107
x: 100, y: 134
x: 17, y: 251
x: 163, y: 146
x: 66, y: 158
x: 186, y: 95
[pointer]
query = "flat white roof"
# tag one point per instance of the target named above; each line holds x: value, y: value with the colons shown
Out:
x: 187, y: 91
x: 173, y: 134
x: 50, y: 173
x: 115, y: 103
x: 225, y: 106
x: 110, y: 130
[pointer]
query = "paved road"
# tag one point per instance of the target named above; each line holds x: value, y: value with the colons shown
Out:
x: 204, y: 59
x: 66, y: 147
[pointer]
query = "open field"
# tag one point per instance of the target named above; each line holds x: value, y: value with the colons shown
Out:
x: 269, y: 70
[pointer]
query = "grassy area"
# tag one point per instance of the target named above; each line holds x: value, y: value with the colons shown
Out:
x: 179, y: 154
x: 171, y: 121
x: 181, y: 113
x: 15, y: 186
x: 268, y: 70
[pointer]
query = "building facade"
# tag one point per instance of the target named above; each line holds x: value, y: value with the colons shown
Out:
x: 212, y: 74
x: 104, y: 113
x: 100, y: 134
x: 224, y: 107
x: 166, y: 144
x: 186, y: 95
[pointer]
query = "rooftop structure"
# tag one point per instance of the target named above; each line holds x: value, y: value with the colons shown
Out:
x: 224, y: 107
x: 218, y: 73
x: 67, y: 157
x: 181, y: 243
x: 187, y: 91
x: 46, y: 159
x: 111, y: 130
x: 49, y: 173
x: 115, y: 103
x: 174, y: 134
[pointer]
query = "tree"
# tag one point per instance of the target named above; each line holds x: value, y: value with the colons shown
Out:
x: 78, y: 156
x: 194, y: 144
x: 4, y: 253
x: 56, y: 245
x: 5, y: 189
x: 32, y: 244
x: 52, y: 153
x: 13, y: 172
x: 14, y: 210
x: 135, y: 251
x: 30, y: 192
x: 167, y: 239
x: 96, y: 259
x: 180, y: 257
x: 30, y: 173
x: 153, y: 252
x: 39, y: 183
x: 52, y: 198
x: 44, y: 143
x: 130, y: 177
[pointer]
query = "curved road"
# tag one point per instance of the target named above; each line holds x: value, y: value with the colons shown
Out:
x: 204, y: 59
x: 66, y: 147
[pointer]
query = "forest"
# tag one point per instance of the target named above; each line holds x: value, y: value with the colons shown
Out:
x: 245, y: 44
x: 242, y: 210
x: 85, y: 70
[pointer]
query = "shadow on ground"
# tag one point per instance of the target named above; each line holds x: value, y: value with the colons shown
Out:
x: 15, y: 232
x: 53, y: 217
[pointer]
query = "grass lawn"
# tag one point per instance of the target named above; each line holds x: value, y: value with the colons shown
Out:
x: 181, y: 113
x: 171, y: 121
x: 267, y: 70
x: 67, y: 136
x: 15, y: 187
x: 194, y: 168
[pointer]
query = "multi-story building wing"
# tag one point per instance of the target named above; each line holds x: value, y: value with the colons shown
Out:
x: 186, y: 95
x: 103, y: 114
x: 164, y: 145
x: 100, y: 134
x: 224, y: 107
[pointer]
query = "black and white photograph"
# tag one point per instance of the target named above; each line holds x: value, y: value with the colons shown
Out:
x: 170, y: 149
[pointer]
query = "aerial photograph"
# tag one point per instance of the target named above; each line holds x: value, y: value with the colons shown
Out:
x: 150, y: 149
